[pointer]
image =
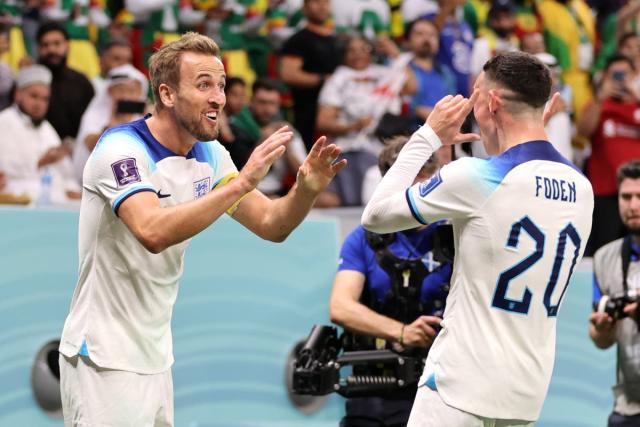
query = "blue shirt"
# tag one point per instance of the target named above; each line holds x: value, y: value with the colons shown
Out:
x: 456, y: 43
x: 357, y: 255
x: 433, y: 85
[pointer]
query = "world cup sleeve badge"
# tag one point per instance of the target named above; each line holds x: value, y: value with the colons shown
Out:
x: 125, y: 171
x: 201, y: 187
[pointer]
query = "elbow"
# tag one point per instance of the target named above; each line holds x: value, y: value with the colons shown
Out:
x: 336, y: 315
x: 153, y: 242
x: 371, y: 220
x: 279, y: 238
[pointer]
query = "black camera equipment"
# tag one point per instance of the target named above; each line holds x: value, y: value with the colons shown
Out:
x: 317, y: 368
x: 614, y: 304
x: 377, y: 368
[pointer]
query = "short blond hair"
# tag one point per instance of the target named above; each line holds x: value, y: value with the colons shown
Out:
x: 164, y: 65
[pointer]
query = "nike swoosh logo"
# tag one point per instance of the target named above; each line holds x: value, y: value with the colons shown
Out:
x: 162, y: 196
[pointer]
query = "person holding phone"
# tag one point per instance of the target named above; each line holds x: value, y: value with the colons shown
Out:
x: 124, y: 102
x: 612, y: 123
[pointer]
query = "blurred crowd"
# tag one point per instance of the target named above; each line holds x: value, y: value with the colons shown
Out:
x: 358, y: 71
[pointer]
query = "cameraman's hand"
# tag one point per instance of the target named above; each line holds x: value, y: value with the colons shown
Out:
x: 631, y: 310
x: 421, y: 333
x: 602, y: 322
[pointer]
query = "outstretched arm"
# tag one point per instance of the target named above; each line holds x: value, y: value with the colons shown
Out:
x: 157, y: 228
x: 276, y: 219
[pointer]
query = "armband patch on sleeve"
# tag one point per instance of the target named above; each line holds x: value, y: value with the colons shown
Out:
x: 125, y: 171
x: 428, y: 186
x: 222, y: 182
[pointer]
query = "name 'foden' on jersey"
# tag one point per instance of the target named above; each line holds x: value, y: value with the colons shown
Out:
x: 555, y: 189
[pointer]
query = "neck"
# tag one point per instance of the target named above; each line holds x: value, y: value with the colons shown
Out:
x: 165, y: 128
x: 424, y: 62
x: 320, y: 29
x: 635, y: 238
x: 517, y: 130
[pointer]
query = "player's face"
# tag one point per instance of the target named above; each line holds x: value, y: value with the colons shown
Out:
x: 200, y: 96
x: 629, y: 204
x: 33, y: 101
x: 482, y: 111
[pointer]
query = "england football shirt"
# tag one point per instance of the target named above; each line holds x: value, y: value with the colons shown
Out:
x: 122, y: 305
x: 521, y: 221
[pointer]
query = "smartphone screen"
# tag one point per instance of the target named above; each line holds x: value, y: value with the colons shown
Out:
x: 130, y: 107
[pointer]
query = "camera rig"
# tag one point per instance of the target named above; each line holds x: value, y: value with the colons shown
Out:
x: 317, y: 368
x: 614, y: 304
x: 378, y: 368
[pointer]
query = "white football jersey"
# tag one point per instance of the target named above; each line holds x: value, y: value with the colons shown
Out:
x: 122, y: 305
x: 521, y: 221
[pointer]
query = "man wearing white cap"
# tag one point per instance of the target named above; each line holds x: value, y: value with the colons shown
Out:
x: 124, y: 83
x: 29, y: 144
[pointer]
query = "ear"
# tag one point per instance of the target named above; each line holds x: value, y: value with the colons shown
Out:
x: 494, y: 101
x: 167, y: 95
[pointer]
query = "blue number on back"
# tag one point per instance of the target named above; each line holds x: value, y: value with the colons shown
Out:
x: 499, y: 298
x: 522, y: 306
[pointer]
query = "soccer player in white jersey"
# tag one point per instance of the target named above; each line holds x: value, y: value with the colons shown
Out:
x: 149, y: 186
x: 521, y: 220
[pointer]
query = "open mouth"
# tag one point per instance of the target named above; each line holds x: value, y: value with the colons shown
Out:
x: 212, y: 116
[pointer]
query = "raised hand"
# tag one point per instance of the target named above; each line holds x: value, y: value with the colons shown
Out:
x: 264, y: 155
x: 319, y: 168
x: 447, y: 118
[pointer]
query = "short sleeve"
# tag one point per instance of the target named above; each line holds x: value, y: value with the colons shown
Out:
x: 331, y: 93
x: 352, y: 254
x: 295, y: 46
x: 118, y: 168
x: 455, y: 191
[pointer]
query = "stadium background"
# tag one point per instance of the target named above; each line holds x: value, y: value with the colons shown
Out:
x: 236, y: 320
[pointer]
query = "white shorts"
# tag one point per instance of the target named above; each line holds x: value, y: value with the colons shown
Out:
x: 94, y: 396
x: 429, y: 410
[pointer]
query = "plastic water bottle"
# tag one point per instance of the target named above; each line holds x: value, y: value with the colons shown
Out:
x: 44, y: 199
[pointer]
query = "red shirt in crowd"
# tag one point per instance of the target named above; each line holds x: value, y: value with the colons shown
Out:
x: 615, y: 141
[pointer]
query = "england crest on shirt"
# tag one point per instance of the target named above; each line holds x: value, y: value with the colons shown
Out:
x: 201, y: 187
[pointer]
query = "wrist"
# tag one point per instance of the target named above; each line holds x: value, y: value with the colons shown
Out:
x: 401, y: 336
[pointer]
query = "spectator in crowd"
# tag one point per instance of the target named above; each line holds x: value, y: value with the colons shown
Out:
x: 71, y: 91
x: 254, y: 123
x: 351, y: 105
x: 308, y: 58
x: 611, y: 122
x: 124, y: 83
x: 236, y: 93
x: 570, y: 36
x: 456, y: 42
x: 629, y: 46
x: 6, y: 74
x: 613, y: 29
x: 115, y: 53
x: 433, y: 79
x: 30, y: 148
x: 533, y: 43
x: 498, y: 36
x: 367, y: 302
x: 559, y: 128
x: 616, y: 269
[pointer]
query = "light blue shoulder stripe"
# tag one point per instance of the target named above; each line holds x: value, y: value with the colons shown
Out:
x: 124, y: 138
